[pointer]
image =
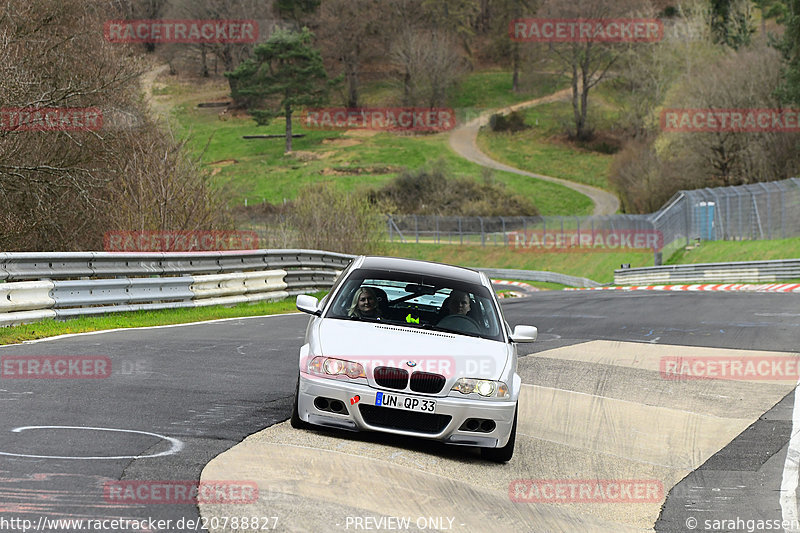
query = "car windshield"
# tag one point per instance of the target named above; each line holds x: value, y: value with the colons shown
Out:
x: 415, y: 301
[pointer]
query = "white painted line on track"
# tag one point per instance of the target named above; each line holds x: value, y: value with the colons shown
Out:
x: 789, y: 480
x: 176, y: 445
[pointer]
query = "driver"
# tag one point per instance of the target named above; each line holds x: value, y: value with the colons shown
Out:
x: 459, y: 303
x: 365, y: 304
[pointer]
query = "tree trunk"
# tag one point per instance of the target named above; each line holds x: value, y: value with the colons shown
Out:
x: 583, y: 134
x: 407, y: 88
x: 288, y: 128
x: 352, y: 86
x: 204, y: 61
x: 576, y: 113
x: 515, y: 63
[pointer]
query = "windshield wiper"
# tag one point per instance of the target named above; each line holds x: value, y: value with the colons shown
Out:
x: 365, y: 318
x: 448, y: 330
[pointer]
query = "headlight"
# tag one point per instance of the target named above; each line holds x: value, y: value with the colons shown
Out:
x: 329, y: 366
x: 484, y: 387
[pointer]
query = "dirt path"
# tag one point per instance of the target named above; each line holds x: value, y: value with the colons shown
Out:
x: 147, y: 82
x: 463, y: 140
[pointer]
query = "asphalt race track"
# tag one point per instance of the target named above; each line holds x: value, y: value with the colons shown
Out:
x: 595, y: 407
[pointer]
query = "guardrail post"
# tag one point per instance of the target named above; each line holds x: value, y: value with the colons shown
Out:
x: 483, y: 235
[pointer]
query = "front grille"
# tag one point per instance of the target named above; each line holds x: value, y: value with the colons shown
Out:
x: 404, y: 420
x: 427, y: 382
x: 391, y: 378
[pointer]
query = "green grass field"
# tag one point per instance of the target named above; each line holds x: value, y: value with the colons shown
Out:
x: 541, y: 149
x: 727, y: 251
x: 595, y: 265
x: 50, y: 328
x: 257, y: 169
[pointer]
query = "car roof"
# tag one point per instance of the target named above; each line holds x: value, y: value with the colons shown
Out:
x: 426, y: 268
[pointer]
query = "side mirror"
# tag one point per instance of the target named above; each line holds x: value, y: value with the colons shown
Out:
x: 308, y: 304
x: 524, y: 334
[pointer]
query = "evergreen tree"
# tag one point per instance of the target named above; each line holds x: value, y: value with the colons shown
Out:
x: 284, y: 73
x: 789, y: 90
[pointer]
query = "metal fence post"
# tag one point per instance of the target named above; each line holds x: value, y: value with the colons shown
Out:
x: 687, y: 210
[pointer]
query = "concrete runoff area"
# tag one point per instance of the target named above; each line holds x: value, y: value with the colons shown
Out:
x: 598, y: 410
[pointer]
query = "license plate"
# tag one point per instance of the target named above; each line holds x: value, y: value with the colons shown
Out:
x: 407, y: 403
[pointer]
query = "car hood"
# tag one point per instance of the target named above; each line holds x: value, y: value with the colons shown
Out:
x: 429, y: 351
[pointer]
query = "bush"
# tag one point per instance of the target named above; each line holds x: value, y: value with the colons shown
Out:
x: 326, y: 218
x: 512, y: 122
x: 431, y: 192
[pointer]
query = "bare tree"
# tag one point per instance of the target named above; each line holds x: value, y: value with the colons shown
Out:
x: 586, y: 62
x: 429, y: 66
x: 229, y: 55
x: 141, y: 10
x: 646, y: 73
x: 60, y: 190
x: 741, y: 80
x: 350, y: 34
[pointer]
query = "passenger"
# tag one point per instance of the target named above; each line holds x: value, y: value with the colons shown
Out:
x: 365, y: 304
x: 458, y: 303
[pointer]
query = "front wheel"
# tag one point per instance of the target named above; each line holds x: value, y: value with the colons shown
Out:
x: 504, y: 454
x: 295, y: 421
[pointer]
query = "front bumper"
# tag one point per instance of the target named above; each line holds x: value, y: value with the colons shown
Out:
x: 380, y: 418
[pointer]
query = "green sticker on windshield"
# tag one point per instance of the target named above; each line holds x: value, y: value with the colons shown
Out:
x: 411, y: 320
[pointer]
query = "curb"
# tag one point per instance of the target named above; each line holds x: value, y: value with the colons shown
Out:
x: 729, y: 287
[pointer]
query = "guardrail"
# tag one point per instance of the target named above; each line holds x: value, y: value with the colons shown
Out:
x: 34, y: 286
x: 747, y: 271
x: 535, y: 275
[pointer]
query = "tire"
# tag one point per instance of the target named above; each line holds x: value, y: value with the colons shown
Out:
x: 504, y: 454
x: 295, y: 421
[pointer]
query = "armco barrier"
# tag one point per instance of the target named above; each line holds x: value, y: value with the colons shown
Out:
x: 533, y: 275
x: 44, y: 285
x: 70, y: 265
x: 35, y: 285
x: 25, y: 296
x: 237, y: 283
x: 747, y: 271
